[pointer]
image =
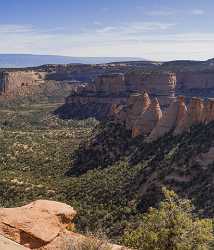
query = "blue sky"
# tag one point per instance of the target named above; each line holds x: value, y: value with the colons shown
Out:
x: 155, y: 29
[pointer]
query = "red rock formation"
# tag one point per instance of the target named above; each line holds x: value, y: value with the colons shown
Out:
x: 20, y: 82
x: 195, y: 111
x: 110, y: 84
x: 137, y: 104
x: 42, y: 225
x: 166, y: 124
x: 208, y: 114
x: 148, y: 119
x: 182, y: 116
x: 159, y: 84
x: 36, y: 224
x: 6, y: 244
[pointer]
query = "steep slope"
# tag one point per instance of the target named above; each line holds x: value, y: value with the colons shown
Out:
x: 115, y: 193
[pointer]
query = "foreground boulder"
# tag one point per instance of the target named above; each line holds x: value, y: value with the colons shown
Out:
x: 6, y: 244
x: 42, y: 225
x: 36, y: 224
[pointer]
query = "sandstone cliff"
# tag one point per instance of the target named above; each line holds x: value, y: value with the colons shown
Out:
x: 179, y: 118
x: 110, y: 91
x: 148, y: 119
x: 144, y: 116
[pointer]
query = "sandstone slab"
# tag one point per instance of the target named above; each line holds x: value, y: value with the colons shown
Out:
x: 36, y: 224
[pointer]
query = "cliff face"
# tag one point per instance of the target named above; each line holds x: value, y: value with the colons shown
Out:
x: 109, y: 91
x: 199, y: 83
x: 20, y: 82
x: 29, y: 83
x: 179, y: 118
x: 145, y: 117
x: 157, y: 84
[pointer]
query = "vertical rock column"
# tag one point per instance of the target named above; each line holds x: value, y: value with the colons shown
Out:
x: 195, y: 111
x: 182, y: 116
x: 137, y: 104
x: 148, y: 120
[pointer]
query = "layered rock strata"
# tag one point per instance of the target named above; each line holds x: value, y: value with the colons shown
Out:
x: 20, y: 82
x: 179, y: 117
x: 145, y: 117
x: 111, y: 91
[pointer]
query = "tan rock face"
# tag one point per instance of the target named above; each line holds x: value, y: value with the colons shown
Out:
x: 41, y: 225
x: 167, y: 123
x: 148, y: 119
x: 35, y: 224
x: 208, y: 115
x: 111, y: 84
x: 195, y: 111
x: 137, y: 104
x: 20, y: 82
x: 182, y: 116
x: 158, y: 84
x: 6, y: 244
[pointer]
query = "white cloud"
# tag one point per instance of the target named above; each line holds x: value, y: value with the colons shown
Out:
x: 13, y: 28
x: 152, y: 40
x: 136, y: 27
x: 161, y: 12
x: 174, y: 12
x: 198, y: 12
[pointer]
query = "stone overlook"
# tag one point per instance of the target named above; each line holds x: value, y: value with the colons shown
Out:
x: 145, y: 116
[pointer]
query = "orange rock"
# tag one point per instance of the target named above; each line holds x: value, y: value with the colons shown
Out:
x: 137, y: 104
x: 166, y: 124
x: 195, y: 111
x: 36, y: 224
x: 148, y: 119
x: 208, y: 115
x: 182, y: 116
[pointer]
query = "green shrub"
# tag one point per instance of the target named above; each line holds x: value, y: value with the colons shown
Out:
x: 171, y: 227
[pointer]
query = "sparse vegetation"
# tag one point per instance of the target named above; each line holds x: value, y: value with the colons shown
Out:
x: 108, y: 177
x: 171, y: 226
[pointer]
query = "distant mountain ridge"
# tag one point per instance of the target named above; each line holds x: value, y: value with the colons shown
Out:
x: 30, y: 60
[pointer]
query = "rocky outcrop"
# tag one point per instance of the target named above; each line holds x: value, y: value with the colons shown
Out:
x: 110, y: 91
x: 167, y: 123
x: 179, y: 118
x: 36, y: 224
x: 208, y: 114
x: 195, y: 111
x: 148, y: 119
x: 137, y: 104
x: 182, y: 116
x: 113, y: 84
x: 41, y: 225
x: 20, y: 82
x: 160, y: 84
x: 6, y: 244
x: 145, y: 117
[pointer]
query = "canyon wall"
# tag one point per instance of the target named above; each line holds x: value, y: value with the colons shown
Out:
x: 200, y: 83
x: 145, y: 117
x: 97, y: 99
x: 159, y: 84
x: 20, y: 82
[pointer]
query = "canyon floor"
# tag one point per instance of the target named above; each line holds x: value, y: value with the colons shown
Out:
x: 109, y: 177
x: 35, y: 151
